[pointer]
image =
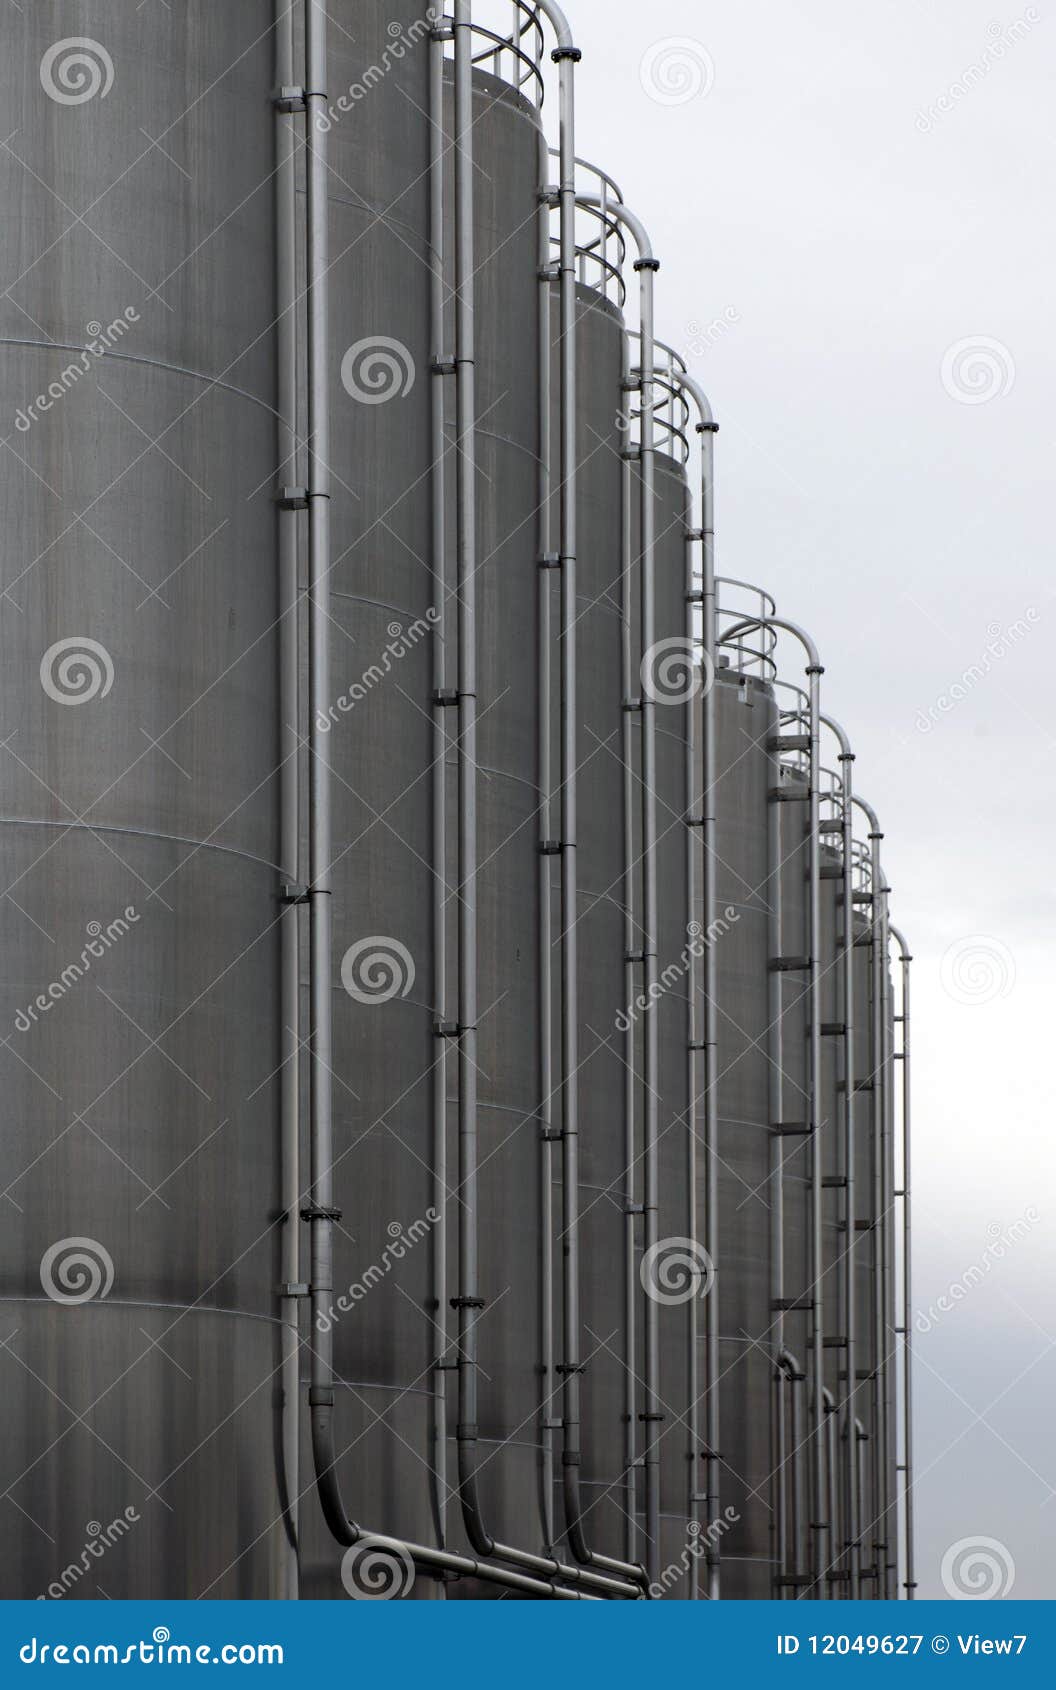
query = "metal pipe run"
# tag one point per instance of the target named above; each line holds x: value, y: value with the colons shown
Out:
x: 850, y: 1296
x: 877, y: 1081
x: 438, y: 424
x: 820, y: 1524
x: 703, y: 1042
x: 909, y: 1582
x: 630, y: 947
x: 544, y: 777
x: 288, y: 501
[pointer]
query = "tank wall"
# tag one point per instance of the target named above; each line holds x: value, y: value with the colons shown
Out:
x: 139, y: 841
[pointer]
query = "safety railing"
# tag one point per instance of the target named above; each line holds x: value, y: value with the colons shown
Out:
x: 509, y: 42
x: 671, y: 412
x: 751, y: 652
x: 601, y: 245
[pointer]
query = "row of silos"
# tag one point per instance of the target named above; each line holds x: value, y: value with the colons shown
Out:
x: 504, y: 1196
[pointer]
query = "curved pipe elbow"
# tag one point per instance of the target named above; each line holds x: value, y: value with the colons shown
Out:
x: 560, y: 26
x: 624, y: 215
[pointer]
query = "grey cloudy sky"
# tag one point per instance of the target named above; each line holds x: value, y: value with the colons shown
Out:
x: 872, y: 217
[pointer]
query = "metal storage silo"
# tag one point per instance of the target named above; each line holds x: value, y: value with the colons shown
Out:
x: 746, y: 723
x: 140, y: 836
x: 606, y: 1488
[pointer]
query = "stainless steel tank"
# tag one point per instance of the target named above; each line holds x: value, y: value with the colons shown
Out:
x: 139, y: 838
x: 602, y: 1006
x: 746, y: 722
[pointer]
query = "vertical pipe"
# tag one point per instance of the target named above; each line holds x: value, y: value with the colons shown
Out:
x: 850, y: 1145
x: 469, y: 1301
x: 820, y: 1522
x: 910, y: 1584
x: 711, y: 1004
x: 545, y: 779
x: 693, y: 818
x: 320, y: 1212
x: 849, y: 1283
x: 630, y: 947
x: 439, y: 773
x: 775, y: 1060
x: 890, y: 1532
x: 880, y: 1475
x: 652, y: 1414
x: 289, y: 754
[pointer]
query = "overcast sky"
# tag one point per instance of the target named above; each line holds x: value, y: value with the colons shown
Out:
x: 870, y: 219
